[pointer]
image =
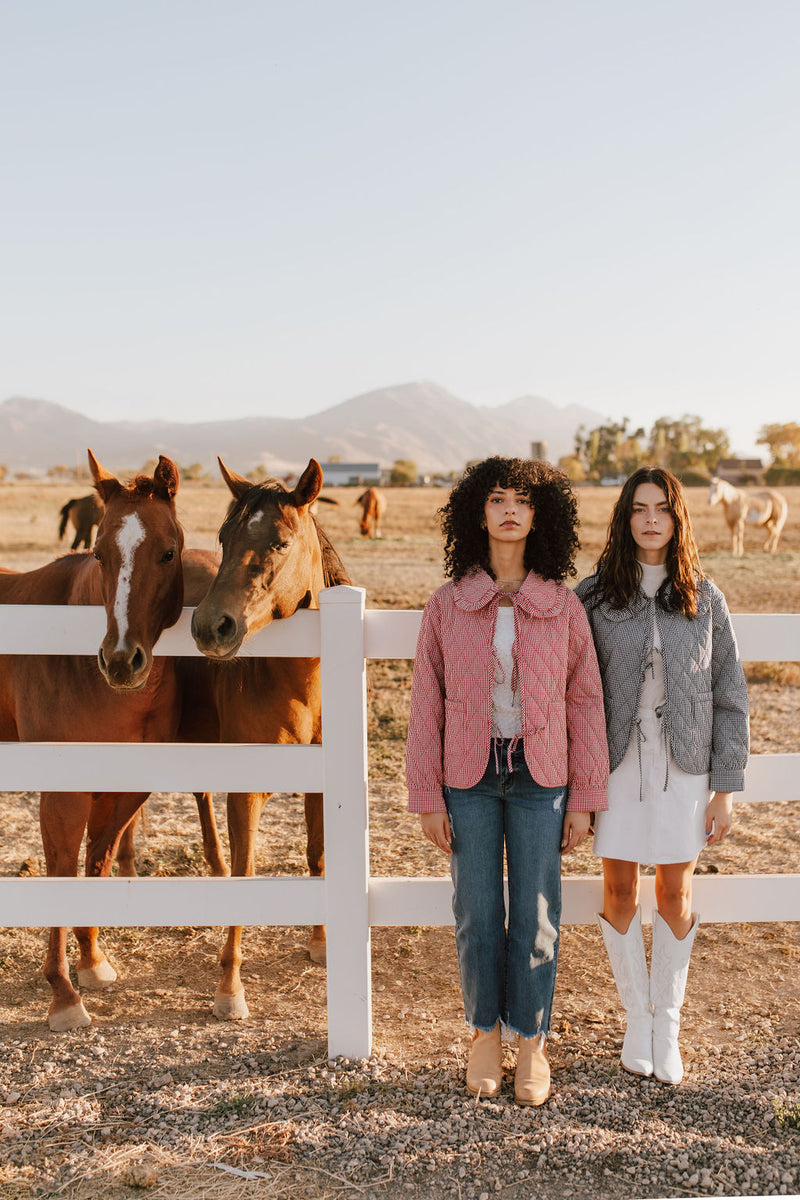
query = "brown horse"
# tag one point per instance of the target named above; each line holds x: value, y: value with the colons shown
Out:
x: 373, y: 506
x: 768, y: 509
x: 275, y: 560
x: 84, y: 513
x: 137, y: 572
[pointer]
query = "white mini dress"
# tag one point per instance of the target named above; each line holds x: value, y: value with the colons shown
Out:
x: 656, y: 811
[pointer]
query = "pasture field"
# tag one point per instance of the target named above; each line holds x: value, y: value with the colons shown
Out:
x: 156, y: 1079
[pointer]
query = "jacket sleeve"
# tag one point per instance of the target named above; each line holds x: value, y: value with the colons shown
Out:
x: 424, y: 748
x: 730, y: 742
x: 586, y: 722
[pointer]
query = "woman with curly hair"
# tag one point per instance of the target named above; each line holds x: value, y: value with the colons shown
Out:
x: 676, y: 714
x: 507, y: 748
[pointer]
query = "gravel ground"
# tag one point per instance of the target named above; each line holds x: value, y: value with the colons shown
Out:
x: 281, y: 1120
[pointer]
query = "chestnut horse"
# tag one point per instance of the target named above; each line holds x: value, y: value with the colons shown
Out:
x: 275, y: 560
x: 84, y: 513
x: 137, y: 572
x: 373, y: 506
x: 767, y: 508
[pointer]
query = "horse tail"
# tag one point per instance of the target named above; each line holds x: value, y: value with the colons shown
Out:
x: 64, y: 514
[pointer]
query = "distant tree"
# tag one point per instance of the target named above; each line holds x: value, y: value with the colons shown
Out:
x: 686, y: 443
x: 61, y: 471
x: 195, y: 471
x: 572, y: 466
x: 404, y: 472
x: 608, y: 450
x: 783, y: 443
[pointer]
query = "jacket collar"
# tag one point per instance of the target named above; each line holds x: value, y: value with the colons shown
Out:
x: 536, y: 597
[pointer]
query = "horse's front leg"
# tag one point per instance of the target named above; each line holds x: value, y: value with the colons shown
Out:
x: 212, y: 846
x: 738, y: 539
x: 244, y: 811
x: 315, y: 856
x: 126, y: 852
x: 111, y: 816
x: 62, y: 818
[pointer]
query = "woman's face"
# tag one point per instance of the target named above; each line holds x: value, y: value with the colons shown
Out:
x: 508, y: 515
x: 652, y: 524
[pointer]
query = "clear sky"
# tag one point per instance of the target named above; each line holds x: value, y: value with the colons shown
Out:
x: 225, y: 208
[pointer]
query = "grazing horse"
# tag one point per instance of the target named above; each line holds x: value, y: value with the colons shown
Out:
x: 137, y: 573
x: 373, y: 506
x: 84, y: 513
x: 275, y: 560
x: 767, y: 508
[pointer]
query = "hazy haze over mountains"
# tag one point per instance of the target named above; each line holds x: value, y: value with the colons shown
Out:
x: 419, y: 421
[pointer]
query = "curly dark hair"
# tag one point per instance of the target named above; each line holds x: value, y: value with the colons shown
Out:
x: 550, y: 546
x: 618, y: 570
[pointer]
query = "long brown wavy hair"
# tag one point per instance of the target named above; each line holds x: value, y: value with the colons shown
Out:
x: 618, y: 571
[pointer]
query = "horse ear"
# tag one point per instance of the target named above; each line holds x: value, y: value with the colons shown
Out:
x: 106, y: 484
x: 308, y: 485
x: 238, y: 486
x: 167, y: 477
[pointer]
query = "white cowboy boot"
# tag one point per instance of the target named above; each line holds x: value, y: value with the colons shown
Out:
x: 629, y: 965
x: 669, y: 967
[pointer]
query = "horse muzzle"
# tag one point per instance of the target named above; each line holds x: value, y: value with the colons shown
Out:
x: 125, y: 669
x: 218, y: 635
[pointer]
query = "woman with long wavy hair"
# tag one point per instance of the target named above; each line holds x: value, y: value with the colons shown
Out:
x: 677, y: 724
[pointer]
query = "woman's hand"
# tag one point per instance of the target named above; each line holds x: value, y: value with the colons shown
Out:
x: 719, y: 817
x: 576, y: 827
x: 436, y: 827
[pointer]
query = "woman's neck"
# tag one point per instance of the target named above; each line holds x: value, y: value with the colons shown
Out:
x: 508, y: 561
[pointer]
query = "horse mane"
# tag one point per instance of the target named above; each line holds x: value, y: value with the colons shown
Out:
x: 333, y: 568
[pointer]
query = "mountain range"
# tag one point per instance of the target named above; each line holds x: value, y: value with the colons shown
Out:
x: 418, y: 421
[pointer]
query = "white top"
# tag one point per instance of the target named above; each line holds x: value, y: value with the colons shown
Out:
x: 652, y: 693
x: 506, y: 702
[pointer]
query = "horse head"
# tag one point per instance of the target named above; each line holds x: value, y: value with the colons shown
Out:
x: 271, y: 561
x: 716, y: 490
x: 138, y: 547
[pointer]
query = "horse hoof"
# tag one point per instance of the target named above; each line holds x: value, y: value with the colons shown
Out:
x: 231, y: 1008
x: 74, y: 1017
x: 318, y: 952
x: 100, y: 976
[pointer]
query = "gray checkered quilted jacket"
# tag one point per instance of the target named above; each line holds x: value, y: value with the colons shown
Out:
x: 706, y: 693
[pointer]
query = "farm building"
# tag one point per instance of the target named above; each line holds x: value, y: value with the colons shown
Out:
x: 343, y: 474
x: 741, y: 471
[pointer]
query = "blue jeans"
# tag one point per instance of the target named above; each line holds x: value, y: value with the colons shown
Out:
x: 507, y: 974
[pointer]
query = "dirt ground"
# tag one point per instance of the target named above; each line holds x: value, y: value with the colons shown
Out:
x: 740, y: 973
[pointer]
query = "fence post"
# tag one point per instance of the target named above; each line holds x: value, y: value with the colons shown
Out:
x: 344, y: 743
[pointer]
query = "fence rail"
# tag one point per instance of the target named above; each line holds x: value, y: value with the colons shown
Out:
x: 345, y: 635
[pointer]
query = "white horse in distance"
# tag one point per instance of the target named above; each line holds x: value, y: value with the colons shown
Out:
x: 767, y: 508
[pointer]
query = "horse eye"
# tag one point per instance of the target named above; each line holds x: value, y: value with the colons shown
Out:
x: 168, y: 556
x: 98, y: 557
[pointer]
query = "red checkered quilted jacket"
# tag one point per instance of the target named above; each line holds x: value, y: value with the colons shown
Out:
x: 563, y: 722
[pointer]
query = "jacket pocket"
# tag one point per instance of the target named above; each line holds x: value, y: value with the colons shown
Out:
x: 702, y: 721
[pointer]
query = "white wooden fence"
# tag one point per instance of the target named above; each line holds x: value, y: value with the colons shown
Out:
x: 347, y: 900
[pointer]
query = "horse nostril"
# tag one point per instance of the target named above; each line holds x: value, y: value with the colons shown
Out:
x: 225, y: 629
x: 138, y: 661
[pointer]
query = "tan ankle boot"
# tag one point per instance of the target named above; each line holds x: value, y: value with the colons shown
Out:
x: 485, y: 1066
x: 532, y: 1079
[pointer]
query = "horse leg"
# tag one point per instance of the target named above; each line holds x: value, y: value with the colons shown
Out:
x: 315, y: 857
x: 212, y: 847
x: 738, y: 538
x: 62, y: 818
x: 244, y: 811
x: 126, y: 853
x: 111, y: 814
